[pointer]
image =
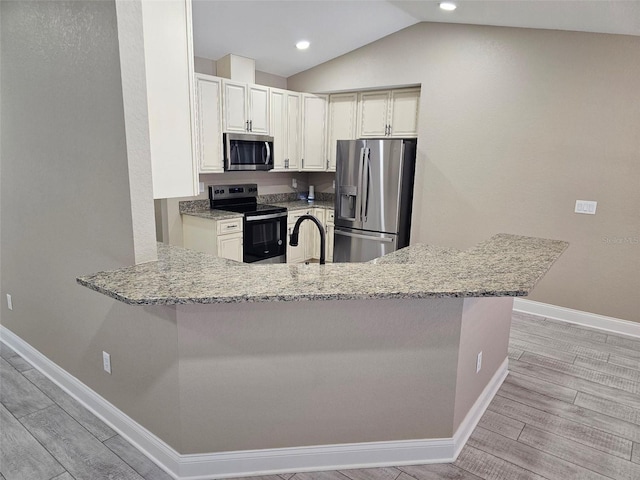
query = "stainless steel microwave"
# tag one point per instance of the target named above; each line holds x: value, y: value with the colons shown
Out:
x: 247, y: 152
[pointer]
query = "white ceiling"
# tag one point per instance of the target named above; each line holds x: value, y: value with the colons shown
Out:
x: 267, y: 30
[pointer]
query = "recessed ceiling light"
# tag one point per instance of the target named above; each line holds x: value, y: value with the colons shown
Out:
x: 302, y: 45
x: 448, y: 6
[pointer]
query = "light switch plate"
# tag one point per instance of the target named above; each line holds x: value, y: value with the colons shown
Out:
x: 9, y: 302
x: 586, y: 206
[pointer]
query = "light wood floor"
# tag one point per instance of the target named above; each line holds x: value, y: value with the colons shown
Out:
x: 569, y: 409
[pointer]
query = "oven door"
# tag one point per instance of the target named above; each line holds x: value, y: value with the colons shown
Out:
x: 265, y: 238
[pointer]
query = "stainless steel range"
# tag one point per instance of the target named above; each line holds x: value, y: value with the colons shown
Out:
x: 264, y: 226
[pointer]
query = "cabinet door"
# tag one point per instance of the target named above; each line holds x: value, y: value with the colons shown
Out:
x: 209, y: 124
x: 373, y: 114
x: 293, y: 130
x: 258, y: 109
x: 230, y: 246
x: 314, y: 113
x: 329, y: 253
x: 235, y: 106
x: 169, y: 111
x: 278, y: 128
x: 405, y: 105
x: 302, y: 252
x: 199, y: 234
x: 343, y: 109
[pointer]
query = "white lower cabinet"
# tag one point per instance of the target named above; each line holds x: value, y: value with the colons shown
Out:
x: 309, y: 240
x: 222, y: 238
x: 329, y: 216
x: 315, y: 240
x: 300, y: 253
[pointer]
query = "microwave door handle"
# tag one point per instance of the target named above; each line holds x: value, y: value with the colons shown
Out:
x: 268, y: 159
x: 232, y: 146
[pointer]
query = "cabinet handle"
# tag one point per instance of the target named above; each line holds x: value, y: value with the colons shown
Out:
x: 327, y: 164
x: 251, y: 125
x: 246, y: 125
x: 303, y: 163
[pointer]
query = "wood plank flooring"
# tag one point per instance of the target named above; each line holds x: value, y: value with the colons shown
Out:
x: 569, y: 409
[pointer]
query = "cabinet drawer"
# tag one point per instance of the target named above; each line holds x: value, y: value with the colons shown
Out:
x: 232, y: 225
x: 294, y: 216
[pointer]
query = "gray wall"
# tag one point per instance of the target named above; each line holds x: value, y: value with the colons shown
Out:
x: 286, y: 374
x: 66, y: 208
x: 515, y: 126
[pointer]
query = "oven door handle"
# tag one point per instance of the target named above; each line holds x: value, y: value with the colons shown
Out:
x: 256, y: 218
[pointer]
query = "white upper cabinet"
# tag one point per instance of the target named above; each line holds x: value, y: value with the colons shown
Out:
x: 209, y: 123
x: 403, y: 116
x: 343, y: 109
x: 258, y: 114
x: 314, y: 115
x: 246, y: 107
x: 235, y: 106
x: 294, y: 132
x: 373, y: 114
x: 278, y: 127
x: 164, y: 30
x: 285, y: 128
x: 390, y: 113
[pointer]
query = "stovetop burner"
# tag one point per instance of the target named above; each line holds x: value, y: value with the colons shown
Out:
x: 240, y: 199
x: 252, y: 208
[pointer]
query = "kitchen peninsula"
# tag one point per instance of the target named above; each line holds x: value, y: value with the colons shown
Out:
x: 308, y: 367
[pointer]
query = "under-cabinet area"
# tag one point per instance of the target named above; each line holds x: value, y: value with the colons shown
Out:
x: 305, y: 126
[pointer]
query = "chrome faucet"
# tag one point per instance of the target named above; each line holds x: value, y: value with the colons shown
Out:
x: 296, y: 230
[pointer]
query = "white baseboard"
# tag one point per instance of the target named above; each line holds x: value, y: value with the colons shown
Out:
x: 593, y: 320
x: 481, y: 404
x: 261, y: 462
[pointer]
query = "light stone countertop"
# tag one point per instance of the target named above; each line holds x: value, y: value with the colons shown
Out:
x: 504, y: 265
x: 292, y: 206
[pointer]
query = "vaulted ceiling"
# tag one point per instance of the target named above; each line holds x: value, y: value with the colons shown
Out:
x: 267, y: 30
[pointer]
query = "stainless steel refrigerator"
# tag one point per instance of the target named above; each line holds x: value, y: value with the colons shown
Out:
x: 374, y: 194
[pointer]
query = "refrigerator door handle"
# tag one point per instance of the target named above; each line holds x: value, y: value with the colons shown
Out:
x: 366, y: 237
x: 360, y: 177
x: 366, y: 177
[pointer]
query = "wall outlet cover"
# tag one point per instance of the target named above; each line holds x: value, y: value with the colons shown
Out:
x: 9, y: 302
x: 106, y: 362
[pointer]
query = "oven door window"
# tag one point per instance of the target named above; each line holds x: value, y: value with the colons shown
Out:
x: 264, y: 239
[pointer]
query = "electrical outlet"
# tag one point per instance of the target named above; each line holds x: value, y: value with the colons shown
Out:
x: 333, y: 185
x: 106, y: 362
x: 586, y: 206
x: 9, y: 302
x: 294, y: 183
x: 201, y: 187
x: 479, y: 362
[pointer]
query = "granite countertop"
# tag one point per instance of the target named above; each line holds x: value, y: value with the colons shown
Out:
x: 504, y: 265
x: 201, y: 208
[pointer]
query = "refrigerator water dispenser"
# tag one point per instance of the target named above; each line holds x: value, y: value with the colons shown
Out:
x: 347, y: 198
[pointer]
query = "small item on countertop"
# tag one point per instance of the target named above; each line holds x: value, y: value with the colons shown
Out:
x: 311, y: 197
